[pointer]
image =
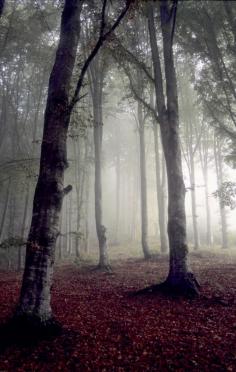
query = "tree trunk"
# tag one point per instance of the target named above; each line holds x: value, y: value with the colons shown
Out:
x: 160, y: 194
x: 219, y: 174
x: 117, y: 194
x: 193, y: 200
x: 26, y: 207
x: 180, y: 279
x: 5, y: 207
x: 209, y: 237
x: 35, y: 298
x: 143, y: 184
x: 1, y: 6
x: 97, y: 74
x: 87, y: 192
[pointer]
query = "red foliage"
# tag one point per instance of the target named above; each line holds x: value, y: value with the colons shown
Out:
x: 110, y: 330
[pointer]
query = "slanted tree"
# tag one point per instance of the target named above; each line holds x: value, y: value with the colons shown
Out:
x: 35, y: 294
x: 35, y: 297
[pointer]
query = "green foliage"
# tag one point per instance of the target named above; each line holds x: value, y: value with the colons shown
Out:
x: 227, y: 194
x: 13, y: 241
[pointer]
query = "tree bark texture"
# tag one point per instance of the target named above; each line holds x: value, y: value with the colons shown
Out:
x: 179, y: 279
x: 37, y: 280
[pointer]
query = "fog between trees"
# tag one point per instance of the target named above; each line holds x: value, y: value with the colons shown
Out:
x: 120, y: 91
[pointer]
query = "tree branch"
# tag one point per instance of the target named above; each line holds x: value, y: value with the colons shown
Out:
x: 102, y: 38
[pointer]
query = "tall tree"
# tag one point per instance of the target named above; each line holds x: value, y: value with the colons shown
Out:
x: 180, y: 279
x: 37, y: 280
x: 97, y: 75
x: 220, y: 179
x: 143, y: 178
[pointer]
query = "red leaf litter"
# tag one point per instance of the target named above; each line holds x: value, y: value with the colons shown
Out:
x: 108, y: 329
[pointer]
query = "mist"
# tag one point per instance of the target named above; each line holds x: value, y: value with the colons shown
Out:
x: 117, y: 178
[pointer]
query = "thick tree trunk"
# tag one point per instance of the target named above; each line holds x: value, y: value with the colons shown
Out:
x: 35, y: 295
x: 160, y: 194
x: 179, y: 279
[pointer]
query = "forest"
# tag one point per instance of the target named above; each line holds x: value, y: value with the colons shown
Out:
x: 117, y: 185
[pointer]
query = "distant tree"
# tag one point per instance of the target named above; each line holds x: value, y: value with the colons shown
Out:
x: 206, y: 33
x: 220, y: 181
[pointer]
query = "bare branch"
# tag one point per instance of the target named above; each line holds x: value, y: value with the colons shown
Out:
x: 102, y: 38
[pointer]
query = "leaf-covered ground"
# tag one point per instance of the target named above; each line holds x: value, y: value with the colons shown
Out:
x: 107, y: 329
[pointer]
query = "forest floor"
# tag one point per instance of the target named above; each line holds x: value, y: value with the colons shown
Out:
x: 108, y: 329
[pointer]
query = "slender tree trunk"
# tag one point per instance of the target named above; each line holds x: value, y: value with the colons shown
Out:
x: 143, y: 184
x: 193, y: 200
x: 160, y: 194
x: 70, y: 225
x: 179, y: 279
x: 97, y: 73
x: 209, y: 237
x: 219, y: 174
x: 35, y: 298
x: 26, y: 207
x: 117, y: 195
x: 87, y: 191
x: 5, y: 207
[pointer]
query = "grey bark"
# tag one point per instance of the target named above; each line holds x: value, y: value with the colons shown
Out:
x: 117, y: 167
x: 35, y: 297
x: 5, y: 207
x: 143, y: 184
x: 96, y: 81
x: 24, y: 223
x: 160, y: 193
x: 219, y: 174
x: 204, y: 158
x: 193, y: 201
x: 180, y: 278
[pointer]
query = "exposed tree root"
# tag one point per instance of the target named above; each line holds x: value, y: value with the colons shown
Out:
x: 187, y: 286
x: 27, y: 330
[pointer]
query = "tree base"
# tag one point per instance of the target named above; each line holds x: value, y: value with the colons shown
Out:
x: 27, y: 330
x: 103, y: 268
x: 187, y: 287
